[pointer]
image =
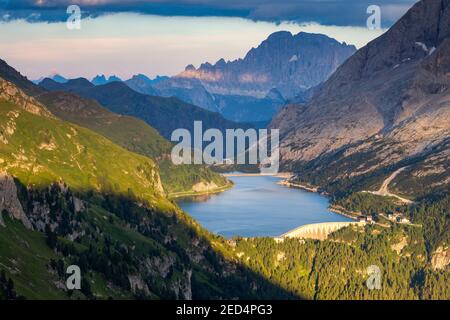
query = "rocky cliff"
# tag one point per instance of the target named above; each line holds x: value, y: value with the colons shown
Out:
x: 390, y: 101
x: 289, y: 63
x: 9, y: 201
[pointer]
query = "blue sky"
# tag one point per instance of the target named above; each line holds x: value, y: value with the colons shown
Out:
x: 163, y: 36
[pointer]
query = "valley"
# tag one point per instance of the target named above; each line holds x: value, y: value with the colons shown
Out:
x: 88, y: 176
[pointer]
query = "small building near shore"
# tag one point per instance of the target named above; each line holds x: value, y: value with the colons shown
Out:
x: 365, y: 219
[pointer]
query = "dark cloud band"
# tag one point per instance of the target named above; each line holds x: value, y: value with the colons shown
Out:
x: 327, y: 12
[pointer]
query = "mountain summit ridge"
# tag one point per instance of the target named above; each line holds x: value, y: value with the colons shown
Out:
x: 242, y: 89
x: 390, y: 101
x: 289, y: 63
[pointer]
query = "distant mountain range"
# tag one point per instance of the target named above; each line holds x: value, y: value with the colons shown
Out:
x: 128, y: 132
x: 70, y: 195
x: 163, y: 114
x: 283, y: 68
x: 101, y: 79
x: 56, y: 77
x: 143, y: 84
x: 385, y: 108
x: 289, y: 63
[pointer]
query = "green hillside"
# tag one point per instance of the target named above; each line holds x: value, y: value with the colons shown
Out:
x: 128, y: 132
x: 163, y: 114
x: 337, y: 268
x: 82, y: 200
x: 25, y: 255
x: 132, y: 134
x: 79, y: 157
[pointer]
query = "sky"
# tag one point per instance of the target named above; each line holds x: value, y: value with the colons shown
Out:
x: 161, y: 37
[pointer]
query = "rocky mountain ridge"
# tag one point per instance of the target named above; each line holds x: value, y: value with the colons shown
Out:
x: 289, y: 63
x: 389, y: 102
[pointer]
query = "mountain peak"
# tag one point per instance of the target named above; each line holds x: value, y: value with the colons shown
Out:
x: 58, y: 78
x: 393, y: 87
x: 190, y: 68
x: 279, y: 35
x: 221, y: 63
x: 101, y: 79
x: 81, y: 82
x: 415, y: 36
x: 289, y: 63
x: 140, y: 76
x: 10, y: 74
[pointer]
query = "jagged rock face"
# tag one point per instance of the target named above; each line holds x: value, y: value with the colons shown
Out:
x: 250, y: 109
x: 189, y: 90
x: 101, y: 79
x: 289, y: 63
x: 395, y: 91
x: 142, y: 84
x: 441, y: 258
x: 9, y: 200
x: 11, y: 93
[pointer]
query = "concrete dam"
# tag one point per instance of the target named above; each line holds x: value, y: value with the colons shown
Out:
x: 318, y: 231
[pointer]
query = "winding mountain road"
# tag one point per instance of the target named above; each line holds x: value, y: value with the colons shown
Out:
x: 384, y: 191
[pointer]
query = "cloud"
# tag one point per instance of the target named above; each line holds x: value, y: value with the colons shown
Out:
x: 327, y: 12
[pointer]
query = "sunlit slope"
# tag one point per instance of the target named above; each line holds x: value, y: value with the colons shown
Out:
x: 40, y: 149
x: 132, y: 134
x: 82, y: 200
x: 25, y: 253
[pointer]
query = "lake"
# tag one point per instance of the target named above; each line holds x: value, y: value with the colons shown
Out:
x: 258, y: 206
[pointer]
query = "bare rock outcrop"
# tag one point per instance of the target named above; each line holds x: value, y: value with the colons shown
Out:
x: 204, y: 187
x: 137, y: 283
x: 9, y: 201
x: 12, y: 93
x: 289, y: 63
x: 392, y: 96
x: 441, y: 258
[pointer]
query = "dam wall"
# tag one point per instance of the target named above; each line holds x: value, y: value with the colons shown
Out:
x: 318, y: 231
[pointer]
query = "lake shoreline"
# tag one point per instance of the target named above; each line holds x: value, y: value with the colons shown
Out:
x: 258, y: 206
x: 188, y: 194
x: 313, y: 189
x: 289, y: 184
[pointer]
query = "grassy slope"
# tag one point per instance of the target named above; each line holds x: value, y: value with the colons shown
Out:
x: 115, y: 235
x: 82, y: 160
x: 24, y: 256
x: 163, y: 114
x: 80, y: 157
x: 132, y: 134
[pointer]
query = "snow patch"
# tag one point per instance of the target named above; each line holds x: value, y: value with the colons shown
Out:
x: 422, y: 45
x: 294, y: 58
x: 425, y: 48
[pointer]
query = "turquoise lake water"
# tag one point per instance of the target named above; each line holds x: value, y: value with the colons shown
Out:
x: 258, y: 206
